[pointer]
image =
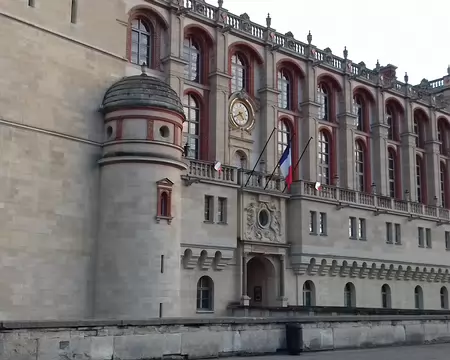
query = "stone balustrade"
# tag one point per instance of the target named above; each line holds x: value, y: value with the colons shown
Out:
x: 286, y: 42
x: 345, y: 197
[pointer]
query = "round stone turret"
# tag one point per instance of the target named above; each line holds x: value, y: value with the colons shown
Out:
x: 138, y: 265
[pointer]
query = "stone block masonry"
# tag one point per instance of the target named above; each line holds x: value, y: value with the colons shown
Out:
x: 205, y: 338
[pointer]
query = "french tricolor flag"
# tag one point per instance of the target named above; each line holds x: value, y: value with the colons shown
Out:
x: 286, y: 165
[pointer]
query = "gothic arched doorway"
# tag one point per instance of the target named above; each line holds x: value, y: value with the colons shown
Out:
x: 261, y: 284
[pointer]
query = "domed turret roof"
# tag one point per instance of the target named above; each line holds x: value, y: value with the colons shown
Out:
x: 141, y: 91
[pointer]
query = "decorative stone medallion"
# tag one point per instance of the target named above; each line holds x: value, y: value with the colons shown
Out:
x: 263, y: 222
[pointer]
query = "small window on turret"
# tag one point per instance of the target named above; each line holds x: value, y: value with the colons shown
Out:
x: 164, y: 209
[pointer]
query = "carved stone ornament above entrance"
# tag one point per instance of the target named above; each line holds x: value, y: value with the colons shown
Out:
x: 263, y: 222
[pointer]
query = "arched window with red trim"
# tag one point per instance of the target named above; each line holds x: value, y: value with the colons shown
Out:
x: 142, y: 36
x: 239, y: 72
x: 390, y: 122
x: 443, y: 184
x: 284, y: 135
x: 360, y: 166
x: 420, y: 122
x: 393, y: 174
x: 358, y: 110
x: 192, y: 54
x: 420, y: 183
x: 285, y: 89
x: 324, y: 158
x: 443, y: 134
x: 394, y: 113
x: 324, y: 101
x: 191, y: 127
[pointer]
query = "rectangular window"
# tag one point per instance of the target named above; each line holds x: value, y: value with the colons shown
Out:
x: 428, y: 237
x: 162, y: 264
x: 389, y: 233
x: 352, y: 228
x: 447, y: 240
x: 209, y: 207
x: 420, y: 236
x: 74, y: 12
x: 362, y: 229
x: 313, y: 222
x: 398, y: 234
x: 222, y: 211
x: 31, y: 3
x: 322, y: 223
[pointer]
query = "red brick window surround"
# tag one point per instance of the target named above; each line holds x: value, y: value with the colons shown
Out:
x: 240, y: 72
x: 421, y: 193
x: 363, y: 102
x: 164, y: 203
x: 443, y: 136
x: 198, y: 45
x: 328, y: 89
x: 325, y: 157
x: 284, y: 135
x: 285, y: 88
x: 289, y: 80
x: 192, y: 126
x: 145, y: 29
x: 420, y: 123
x: 394, y: 179
x: 444, y: 185
x: 394, y: 114
x: 362, y: 167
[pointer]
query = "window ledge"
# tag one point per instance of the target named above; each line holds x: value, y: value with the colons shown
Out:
x: 167, y: 218
x: 353, y: 238
x: 362, y: 239
x: 313, y: 233
x: 200, y: 311
x: 324, y: 234
x: 208, y: 222
x: 222, y: 223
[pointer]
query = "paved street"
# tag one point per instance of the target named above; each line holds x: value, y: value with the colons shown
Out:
x: 425, y: 352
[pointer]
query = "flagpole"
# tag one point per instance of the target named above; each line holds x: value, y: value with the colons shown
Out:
x: 260, y: 155
x: 278, y: 163
x: 298, y: 161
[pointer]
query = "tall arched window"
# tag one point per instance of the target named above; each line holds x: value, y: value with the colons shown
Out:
x: 418, y: 297
x: 359, y: 112
x: 390, y: 122
x: 141, y: 42
x: 420, y: 121
x: 239, y: 73
x: 324, y: 101
x: 164, y: 204
x: 284, y: 87
x: 205, y: 294
x: 191, y: 127
x: 284, y: 135
x: 392, y: 171
x: 359, y: 166
x: 192, y: 56
x: 349, y: 295
x: 444, y: 297
x: 443, y: 134
x: 324, y: 158
x: 240, y: 160
x: 443, y: 184
x: 386, y: 296
x: 419, y: 179
x: 309, y: 296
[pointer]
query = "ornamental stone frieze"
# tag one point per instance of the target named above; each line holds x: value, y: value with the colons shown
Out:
x: 206, y: 258
x: 316, y: 266
x: 262, y: 222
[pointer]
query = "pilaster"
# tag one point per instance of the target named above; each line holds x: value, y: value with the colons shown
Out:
x: 174, y: 63
x: 408, y: 153
x: 268, y: 111
x: 432, y: 160
x: 345, y: 140
x: 309, y: 113
x: 219, y: 81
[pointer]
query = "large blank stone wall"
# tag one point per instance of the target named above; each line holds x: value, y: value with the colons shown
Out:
x: 198, y: 338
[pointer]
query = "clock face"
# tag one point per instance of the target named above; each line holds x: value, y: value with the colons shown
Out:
x: 240, y: 113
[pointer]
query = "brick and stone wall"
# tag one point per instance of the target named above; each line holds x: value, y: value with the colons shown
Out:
x: 200, y: 338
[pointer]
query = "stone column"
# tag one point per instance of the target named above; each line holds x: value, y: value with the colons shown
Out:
x: 282, y: 298
x: 245, y: 299
x: 345, y: 140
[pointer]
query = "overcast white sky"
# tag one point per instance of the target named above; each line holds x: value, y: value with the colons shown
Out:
x: 414, y: 36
